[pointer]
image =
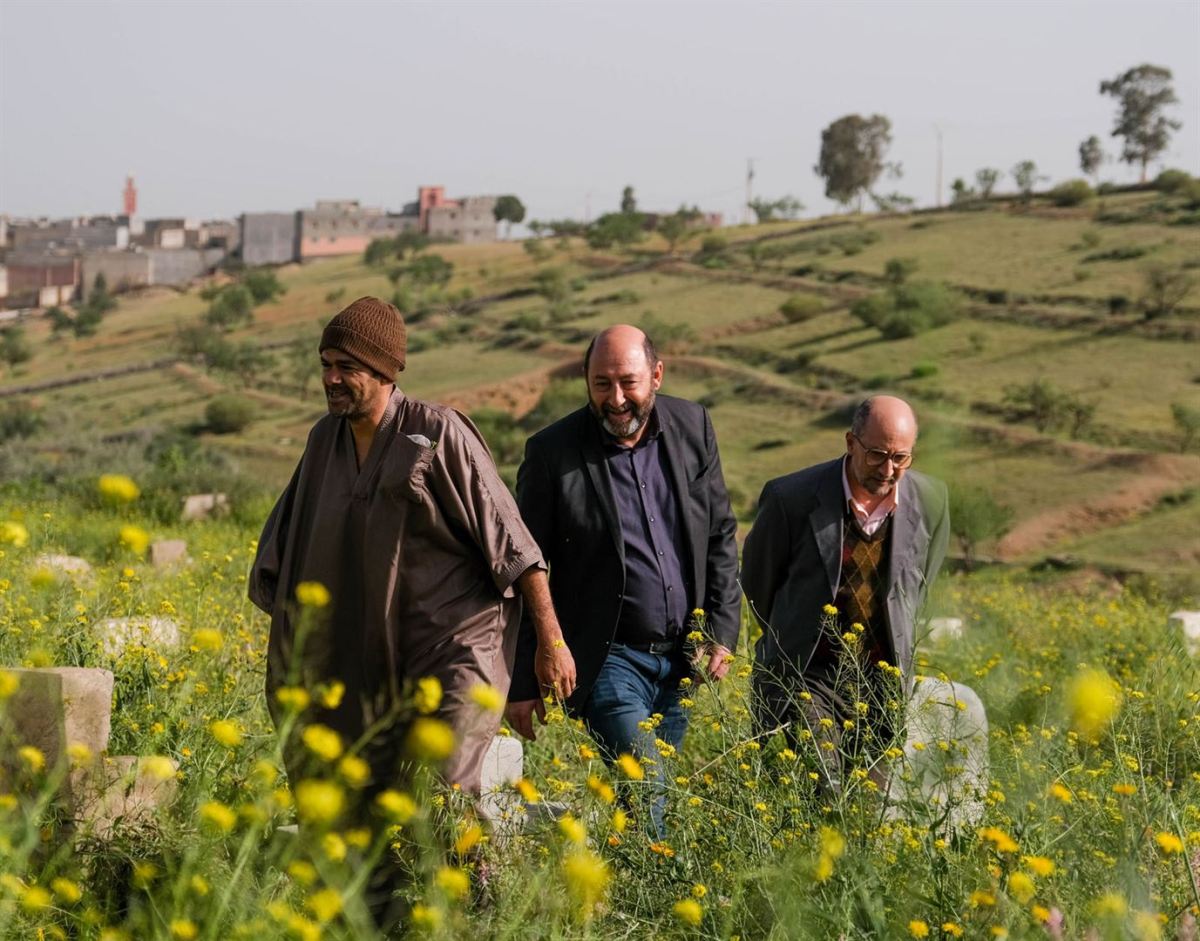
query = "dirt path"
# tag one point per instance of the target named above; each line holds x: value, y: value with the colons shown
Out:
x: 1155, y: 476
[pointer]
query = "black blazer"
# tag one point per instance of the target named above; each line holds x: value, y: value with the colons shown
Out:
x: 792, y: 559
x: 565, y: 495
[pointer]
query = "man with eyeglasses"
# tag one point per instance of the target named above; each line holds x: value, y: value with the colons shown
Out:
x: 836, y: 569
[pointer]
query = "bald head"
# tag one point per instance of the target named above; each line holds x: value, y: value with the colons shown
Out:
x: 879, y: 445
x: 885, y: 413
x: 623, y: 373
x: 624, y: 339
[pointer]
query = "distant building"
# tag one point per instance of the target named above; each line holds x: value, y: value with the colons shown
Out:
x: 469, y: 219
x: 71, y: 234
x: 122, y: 270
x: 42, y: 278
x: 343, y: 227
x: 269, y: 238
x: 129, y: 197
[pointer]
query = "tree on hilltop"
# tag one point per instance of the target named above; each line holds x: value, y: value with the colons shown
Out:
x: 509, y: 209
x: 852, y: 156
x: 767, y: 210
x: 986, y: 179
x: 679, y: 227
x: 1142, y: 93
x: 1026, y: 176
x: 1091, y: 155
x: 628, y: 202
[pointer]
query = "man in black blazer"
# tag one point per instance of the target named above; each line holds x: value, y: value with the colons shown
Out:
x: 626, y: 499
x: 866, y: 536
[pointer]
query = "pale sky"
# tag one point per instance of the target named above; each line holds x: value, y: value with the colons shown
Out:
x: 220, y: 107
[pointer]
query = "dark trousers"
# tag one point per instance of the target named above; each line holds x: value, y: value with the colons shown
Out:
x: 828, y: 704
x: 632, y: 686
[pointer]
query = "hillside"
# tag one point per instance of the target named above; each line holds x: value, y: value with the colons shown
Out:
x: 1048, y: 294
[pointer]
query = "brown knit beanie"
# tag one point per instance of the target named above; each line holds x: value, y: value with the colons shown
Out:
x: 372, y: 331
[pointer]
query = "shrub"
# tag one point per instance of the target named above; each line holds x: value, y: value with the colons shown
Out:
x: 905, y: 310
x: 228, y: 414
x: 899, y: 270
x: 1071, y: 193
x: 1164, y: 288
x: 975, y: 517
x: 234, y: 304
x: 801, y: 307
x: 713, y: 245
x: 1120, y: 253
x: 19, y: 420
x: 262, y: 285
x: 924, y: 370
x: 1187, y: 420
x: 1172, y: 181
x: 1118, y: 303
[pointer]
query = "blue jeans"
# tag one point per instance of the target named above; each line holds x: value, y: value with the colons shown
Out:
x: 631, y: 687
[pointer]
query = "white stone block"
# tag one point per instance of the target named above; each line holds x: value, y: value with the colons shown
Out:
x: 200, y: 506
x: 1187, y: 623
x: 945, y: 628
x: 168, y: 552
x: 503, y: 766
x: 117, y: 634
x: 944, y: 775
x: 124, y: 792
x: 71, y: 565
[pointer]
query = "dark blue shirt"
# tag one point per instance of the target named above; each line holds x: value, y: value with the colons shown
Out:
x: 655, y: 603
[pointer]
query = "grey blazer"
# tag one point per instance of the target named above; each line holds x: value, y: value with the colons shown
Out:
x: 792, y: 560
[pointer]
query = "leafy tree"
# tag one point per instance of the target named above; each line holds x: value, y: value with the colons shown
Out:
x: 1071, y: 193
x: 976, y: 517
x: 60, y: 320
x: 906, y: 309
x: 410, y: 243
x: 898, y: 270
x: 678, y: 227
x: 892, y: 202
x: 537, y: 249
x: 628, y: 202
x: 1026, y: 177
x: 14, y: 346
x: 227, y: 414
x: 378, y: 251
x: 1164, y: 288
x: 232, y: 306
x: 616, y: 228
x: 428, y: 270
x: 852, y: 155
x: 767, y: 210
x: 960, y: 192
x: 262, y: 284
x: 986, y: 179
x: 87, y: 321
x: 1143, y: 93
x: 509, y: 209
x: 1187, y: 420
x: 99, y: 298
x: 1047, y: 406
x: 1091, y: 155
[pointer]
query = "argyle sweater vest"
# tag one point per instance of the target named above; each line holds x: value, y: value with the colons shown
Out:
x: 862, y: 591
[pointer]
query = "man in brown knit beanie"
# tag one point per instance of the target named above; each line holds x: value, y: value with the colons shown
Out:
x: 397, y: 510
x: 837, y: 568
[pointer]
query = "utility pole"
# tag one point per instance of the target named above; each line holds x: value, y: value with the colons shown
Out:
x: 587, y: 209
x: 938, y: 199
x: 749, y: 189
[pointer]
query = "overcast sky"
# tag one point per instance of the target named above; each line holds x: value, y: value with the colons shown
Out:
x: 222, y: 107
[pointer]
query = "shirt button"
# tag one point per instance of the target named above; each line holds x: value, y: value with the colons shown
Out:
x: 660, y: 553
x: 652, y: 519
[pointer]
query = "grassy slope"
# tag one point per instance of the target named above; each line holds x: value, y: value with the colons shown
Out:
x: 786, y: 423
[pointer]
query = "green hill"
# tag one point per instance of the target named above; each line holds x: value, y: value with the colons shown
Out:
x: 1046, y: 295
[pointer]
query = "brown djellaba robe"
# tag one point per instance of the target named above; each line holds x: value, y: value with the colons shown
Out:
x: 419, y: 549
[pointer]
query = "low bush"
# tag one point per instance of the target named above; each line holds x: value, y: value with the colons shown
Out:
x: 800, y: 307
x: 228, y: 414
x: 905, y: 310
x: 1071, y: 193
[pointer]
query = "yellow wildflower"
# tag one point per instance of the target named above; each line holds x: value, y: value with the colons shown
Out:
x: 312, y: 594
x: 354, y: 770
x: 292, y: 698
x: 1093, y: 700
x: 426, y: 917
x: 689, y: 911
x: 302, y: 871
x: 572, y: 829
x: 217, y: 816
x: 157, y: 767
x: 9, y: 683
x: 528, y: 792
x: 330, y: 694
x: 428, y: 695
x: 468, y: 839
x: 587, y: 877
x: 323, y: 742
x: 918, y: 929
x: 32, y: 758
x: 430, y: 740
x: 1168, y: 842
x: 1061, y: 792
x: 1125, y: 790
x: 14, y: 534
x: 68, y: 891
x: 134, y: 538
x: 998, y: 838
x: 319, y: 802
x: 453, y: 881
x: 1021, y: 887
x: 397, y: 807
x: 226, y: 732
x: 183, y: 930
x: 1040, y: 865
x: 630, y: 766
x: 487, y: 697
x: 207, y: 639
x: 116, y: 489
x: 324, y: 904
x: 334, y: 847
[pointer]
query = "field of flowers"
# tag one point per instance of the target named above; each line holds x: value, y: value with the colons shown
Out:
x: 1091, y: 825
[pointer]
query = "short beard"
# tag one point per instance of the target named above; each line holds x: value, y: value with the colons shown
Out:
x: 637, y: 418
x: 348, y: 406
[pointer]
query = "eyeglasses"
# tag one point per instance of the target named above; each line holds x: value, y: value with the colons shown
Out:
x: 877, y: 457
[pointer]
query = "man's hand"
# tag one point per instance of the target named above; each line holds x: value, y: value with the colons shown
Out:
x: 554, y: 668
x: 719, y: 659
x: 520, y: 716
